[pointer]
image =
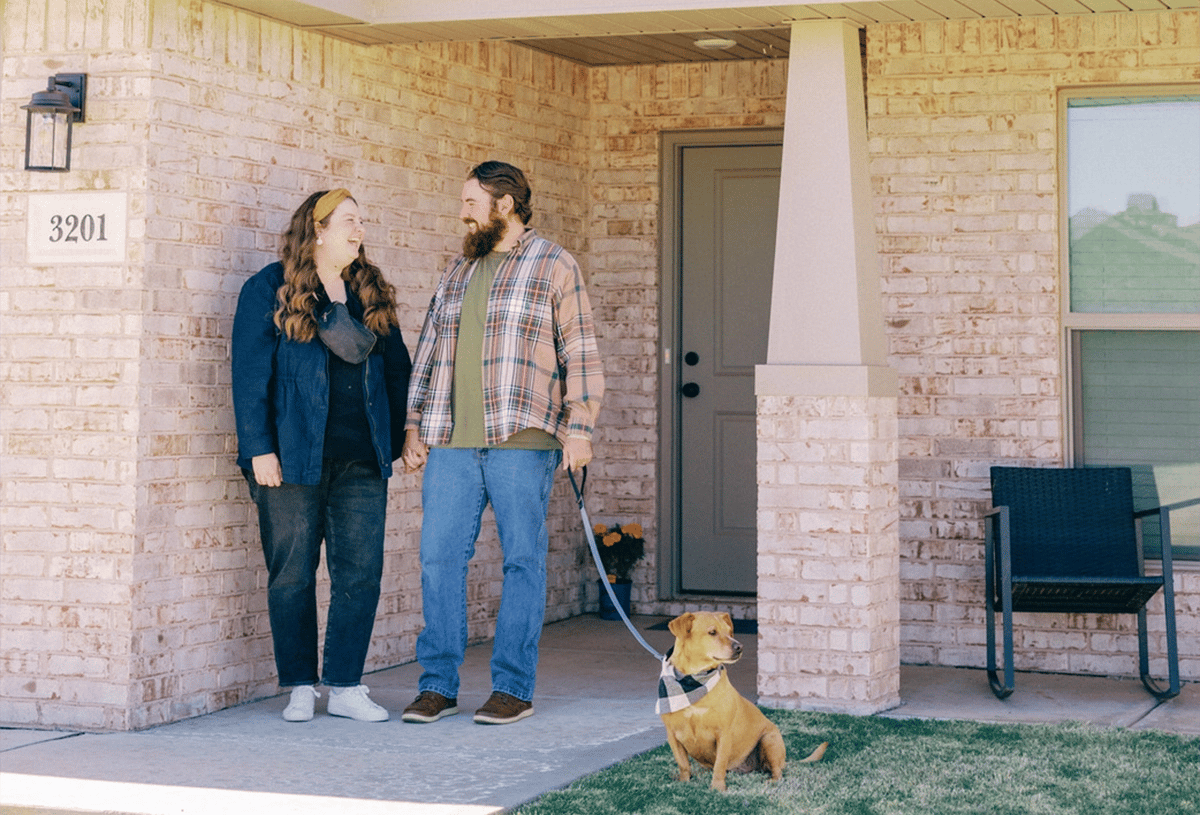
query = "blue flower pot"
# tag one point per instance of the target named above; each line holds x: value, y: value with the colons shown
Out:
x: 622, y: 589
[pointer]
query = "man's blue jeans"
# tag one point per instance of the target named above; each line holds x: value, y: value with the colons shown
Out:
x: 459, y: 483
x: 347, y: 510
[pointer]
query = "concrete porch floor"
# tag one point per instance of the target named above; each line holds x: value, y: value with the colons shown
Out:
x: 594, y: 708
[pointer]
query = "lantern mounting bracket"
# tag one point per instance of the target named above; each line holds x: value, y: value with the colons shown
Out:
x: 75, y: 87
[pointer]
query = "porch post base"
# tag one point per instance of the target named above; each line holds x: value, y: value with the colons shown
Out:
x: 828, y: 538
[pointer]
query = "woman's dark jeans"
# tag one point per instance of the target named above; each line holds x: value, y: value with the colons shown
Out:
x: 346, y: 510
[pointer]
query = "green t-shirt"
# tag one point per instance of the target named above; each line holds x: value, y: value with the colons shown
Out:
x: 467, y: 397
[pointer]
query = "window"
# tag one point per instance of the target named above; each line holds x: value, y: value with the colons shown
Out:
x: 1132, y: 311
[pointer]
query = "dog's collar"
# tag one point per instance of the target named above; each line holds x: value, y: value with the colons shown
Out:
x: 677, y: 691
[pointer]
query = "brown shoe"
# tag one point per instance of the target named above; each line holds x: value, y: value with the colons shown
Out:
x: 503, y: 708
x: 429, y: 707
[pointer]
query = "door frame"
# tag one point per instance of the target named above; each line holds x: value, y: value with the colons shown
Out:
x: 670, y: 322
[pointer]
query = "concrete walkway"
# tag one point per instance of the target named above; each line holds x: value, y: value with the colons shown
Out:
x: 594, y: 708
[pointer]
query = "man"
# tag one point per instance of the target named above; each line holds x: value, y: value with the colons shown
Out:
x: 506, y: 384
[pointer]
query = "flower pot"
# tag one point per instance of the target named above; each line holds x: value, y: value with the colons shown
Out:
x: 622, y: 589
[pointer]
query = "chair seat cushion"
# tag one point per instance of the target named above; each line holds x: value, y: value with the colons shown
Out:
x: 1091, y: 595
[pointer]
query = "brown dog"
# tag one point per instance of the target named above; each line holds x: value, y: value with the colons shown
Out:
x: 715, y: 724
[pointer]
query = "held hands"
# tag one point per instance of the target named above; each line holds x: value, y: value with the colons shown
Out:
x: 414, y: 453
x: 267, y: 472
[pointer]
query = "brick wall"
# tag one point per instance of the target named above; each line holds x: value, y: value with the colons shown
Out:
x: 963, y: 124
x: 71, y: 351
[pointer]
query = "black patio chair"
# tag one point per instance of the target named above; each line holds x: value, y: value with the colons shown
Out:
x: 1067, y: 540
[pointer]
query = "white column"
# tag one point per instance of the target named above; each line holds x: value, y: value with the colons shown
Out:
x: 826, y: 307
x: 828, y: 520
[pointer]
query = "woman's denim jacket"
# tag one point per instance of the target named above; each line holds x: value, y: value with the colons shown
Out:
x: 281, y: 388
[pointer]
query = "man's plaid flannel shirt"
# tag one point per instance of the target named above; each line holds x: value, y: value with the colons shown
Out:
x: 541, y: 367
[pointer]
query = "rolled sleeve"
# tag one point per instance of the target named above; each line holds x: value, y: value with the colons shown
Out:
x: 579, y: 356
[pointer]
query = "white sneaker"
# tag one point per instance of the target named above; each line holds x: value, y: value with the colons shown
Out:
x: 300, y: 707
x: 354, y: 704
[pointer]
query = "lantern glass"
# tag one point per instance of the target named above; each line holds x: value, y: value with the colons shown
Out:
x: 48, y: 140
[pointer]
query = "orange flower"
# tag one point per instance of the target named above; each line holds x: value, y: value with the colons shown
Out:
x: 620, y: 548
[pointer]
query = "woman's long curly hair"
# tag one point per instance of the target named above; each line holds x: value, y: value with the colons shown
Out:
x: 298, y: 296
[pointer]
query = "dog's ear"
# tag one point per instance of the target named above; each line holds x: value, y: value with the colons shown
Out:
x: 728, y: 620
x: 681, y: 625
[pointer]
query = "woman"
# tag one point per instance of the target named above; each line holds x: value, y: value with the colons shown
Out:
x: 320, y: 374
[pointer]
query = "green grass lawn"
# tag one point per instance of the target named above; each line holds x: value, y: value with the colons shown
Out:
x: 882, y: 766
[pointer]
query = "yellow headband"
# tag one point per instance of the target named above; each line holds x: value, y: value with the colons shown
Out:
x: 328, y: 202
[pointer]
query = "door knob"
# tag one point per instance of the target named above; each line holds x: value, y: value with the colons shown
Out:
x: 691, y: 358
x: 690, y: 390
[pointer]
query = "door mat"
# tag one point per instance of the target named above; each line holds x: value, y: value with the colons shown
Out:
x: 739, y: 626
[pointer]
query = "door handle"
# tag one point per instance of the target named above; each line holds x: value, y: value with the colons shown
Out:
x: 691, y: 390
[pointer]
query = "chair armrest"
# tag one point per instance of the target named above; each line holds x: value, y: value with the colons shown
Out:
x: 1168, y: 507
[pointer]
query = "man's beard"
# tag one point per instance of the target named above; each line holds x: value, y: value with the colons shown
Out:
x: 483, y: 240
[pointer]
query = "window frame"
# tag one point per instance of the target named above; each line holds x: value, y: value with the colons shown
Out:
x: 1074, y: 323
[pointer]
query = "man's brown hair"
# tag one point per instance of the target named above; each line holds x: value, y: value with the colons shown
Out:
x: 500, y: 179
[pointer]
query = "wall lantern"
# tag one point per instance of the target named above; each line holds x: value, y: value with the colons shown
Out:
x: 49, y: 117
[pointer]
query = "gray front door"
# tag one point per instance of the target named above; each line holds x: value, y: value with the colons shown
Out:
x: 727, y: 211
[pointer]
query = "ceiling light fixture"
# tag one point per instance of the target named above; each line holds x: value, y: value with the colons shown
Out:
x: 715, y: 43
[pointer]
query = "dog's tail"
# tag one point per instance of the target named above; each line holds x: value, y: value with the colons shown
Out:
x: 816, y: 755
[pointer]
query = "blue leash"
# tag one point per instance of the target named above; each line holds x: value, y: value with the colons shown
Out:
x: 591, y: 538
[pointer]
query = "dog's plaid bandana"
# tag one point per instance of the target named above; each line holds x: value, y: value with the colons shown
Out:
x: 677, y: 691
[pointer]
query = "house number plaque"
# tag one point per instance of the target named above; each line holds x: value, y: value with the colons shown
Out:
x: 77, y: 227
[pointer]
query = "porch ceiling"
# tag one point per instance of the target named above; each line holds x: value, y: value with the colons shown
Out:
x: 628, y: 32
